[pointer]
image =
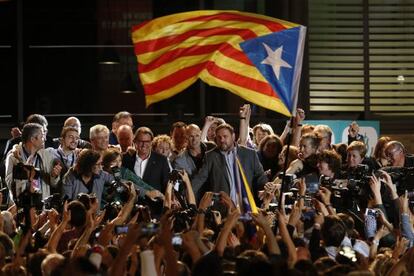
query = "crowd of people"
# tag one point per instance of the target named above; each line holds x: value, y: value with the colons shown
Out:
x: 129, y: 202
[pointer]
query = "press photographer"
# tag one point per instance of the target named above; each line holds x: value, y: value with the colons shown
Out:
x: 30, y: 166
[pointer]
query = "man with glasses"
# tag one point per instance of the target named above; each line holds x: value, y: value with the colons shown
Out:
x: 31, y: 152
x: 397, y: 155
x: 150, y: 166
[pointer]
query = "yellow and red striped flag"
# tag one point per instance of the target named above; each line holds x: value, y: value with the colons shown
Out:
x: 175, y: 50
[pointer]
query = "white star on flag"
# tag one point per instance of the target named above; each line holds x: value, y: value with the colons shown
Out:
x: 274, y: 59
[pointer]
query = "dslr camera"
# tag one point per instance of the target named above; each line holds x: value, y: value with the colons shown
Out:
x: 54, y: 201
x: 117, y: 187
x: 176, y: 179
x: 28, y: 200
x: 22, y: 171
x: 288, y: 181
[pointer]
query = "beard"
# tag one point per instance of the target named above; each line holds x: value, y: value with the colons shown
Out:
x: 225, y: 147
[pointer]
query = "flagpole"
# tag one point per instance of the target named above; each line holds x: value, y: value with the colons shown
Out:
x: 289, y: 140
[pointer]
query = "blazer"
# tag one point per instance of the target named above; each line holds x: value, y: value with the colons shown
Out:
x: 213, y: 175
x: 156, y: 172
x: 185, y: 162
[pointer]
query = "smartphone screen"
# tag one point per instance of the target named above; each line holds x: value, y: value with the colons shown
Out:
x: 371, y: 212
x: 177, y: 239
x: 121, y: 229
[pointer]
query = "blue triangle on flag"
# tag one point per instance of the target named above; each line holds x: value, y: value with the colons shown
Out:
x: 275, y: 56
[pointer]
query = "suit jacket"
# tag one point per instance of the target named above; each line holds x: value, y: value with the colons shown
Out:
x: 185, y: 162
x: 156, y: 172
x: 213, y: 175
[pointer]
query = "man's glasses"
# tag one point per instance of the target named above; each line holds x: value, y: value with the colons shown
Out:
x: 392, y: 152
x: 143, y: 141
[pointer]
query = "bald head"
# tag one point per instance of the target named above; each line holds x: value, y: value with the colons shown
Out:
x: 73, y: 122
x: 395, y: 153
x: 193, y: 134
x: 125, y: 137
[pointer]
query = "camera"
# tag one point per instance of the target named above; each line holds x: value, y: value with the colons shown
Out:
x: 149, y: 228
x: 183, y: 219
x: 28, y: 200
x: 6, y: 198
x: 118, y: 189
x: 177, y: 240
x: 176, y: 179
x: 54, y: 201
x: 216, y: 197
x: 288, y: 181
x: 22, y: 171
x: 402, y: 177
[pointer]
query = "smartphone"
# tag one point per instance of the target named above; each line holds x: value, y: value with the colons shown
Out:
x: 121, y: 229
x: 371, y: 212
x: 177, y: 240
x: 149, y: 228
x: 308, y: 215
x: 216, y: 197
x: 245, y: 217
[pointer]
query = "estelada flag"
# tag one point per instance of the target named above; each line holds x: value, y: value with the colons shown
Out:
x: 256, y: 57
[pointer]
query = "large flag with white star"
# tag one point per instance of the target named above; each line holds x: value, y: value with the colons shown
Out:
x: 238, y: 51
x: 278, y: 56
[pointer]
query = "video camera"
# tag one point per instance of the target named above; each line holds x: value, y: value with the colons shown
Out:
x: 402, y: 177
x: 23, y: 171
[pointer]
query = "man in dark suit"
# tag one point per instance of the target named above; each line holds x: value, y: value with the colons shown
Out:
x: 150, y: 166
x: 219, y: 171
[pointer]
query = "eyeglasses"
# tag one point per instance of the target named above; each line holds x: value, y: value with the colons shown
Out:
x: 143, y: 141
x: 391, y: 152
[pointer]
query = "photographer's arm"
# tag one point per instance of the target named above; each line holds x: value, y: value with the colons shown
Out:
x: 127, y: 208
x: 382, y: 232
x: 205, y: 202
x: 54, y: 239
x: 91, y: 224
x: 375, y: 185
x: 287, y: 240
x: 168, y: 195
x: 118, y: 266
x: 225, y: 231
x: 189, y: 189
x: 271, y: 242
x: 325, y: 195
x: 106, y: 234
x: 406, y: 227
x: 395, y: 207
